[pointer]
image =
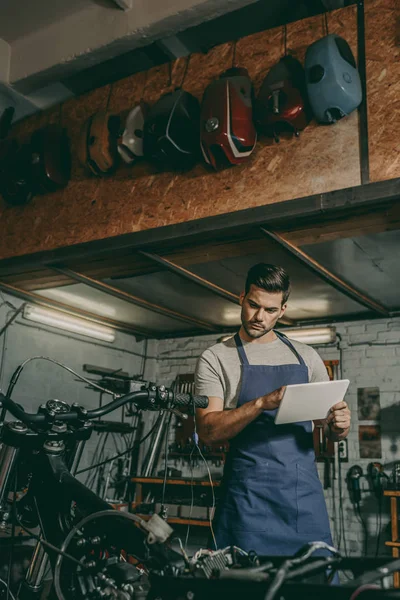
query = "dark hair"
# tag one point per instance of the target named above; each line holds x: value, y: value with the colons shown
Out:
x: 271, y: 278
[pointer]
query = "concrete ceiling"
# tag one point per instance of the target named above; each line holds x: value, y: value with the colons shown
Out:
x: 53, y: 49
x: 20, y: 18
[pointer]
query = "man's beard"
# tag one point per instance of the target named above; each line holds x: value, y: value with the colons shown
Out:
x: 255, y: 333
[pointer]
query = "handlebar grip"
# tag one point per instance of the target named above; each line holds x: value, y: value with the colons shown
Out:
x: 190, y: 400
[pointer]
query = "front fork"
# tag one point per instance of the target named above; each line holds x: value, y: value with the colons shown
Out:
x: 8, y: 460
x: 32, y: 586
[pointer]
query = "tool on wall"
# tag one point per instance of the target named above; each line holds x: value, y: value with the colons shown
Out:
x: 353, y: 478
x: 354, y: 475
x: 282, y: 103
x: 377, y: 478
x: 333, y: 81
x: 227, y: 132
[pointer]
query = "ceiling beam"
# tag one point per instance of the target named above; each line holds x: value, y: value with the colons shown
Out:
x: 216, y: 289
x: 339, y: 284
x: 356, y: 224
x: 319, y: 207
x: 131, y: 299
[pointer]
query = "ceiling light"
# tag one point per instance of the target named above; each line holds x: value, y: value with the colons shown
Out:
x: 68, y: 322
x: 312, y: 335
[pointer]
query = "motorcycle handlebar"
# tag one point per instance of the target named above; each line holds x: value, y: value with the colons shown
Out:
x: 153, y: 398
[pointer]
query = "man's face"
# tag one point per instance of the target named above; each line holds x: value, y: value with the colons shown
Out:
x: 260, y: 311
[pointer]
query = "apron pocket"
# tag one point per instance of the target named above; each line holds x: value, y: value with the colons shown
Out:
x: 266, y: 502
x: 312, y: 516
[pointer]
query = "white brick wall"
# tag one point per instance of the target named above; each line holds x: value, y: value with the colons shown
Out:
x: 41, y: 380
x: 366, y: 365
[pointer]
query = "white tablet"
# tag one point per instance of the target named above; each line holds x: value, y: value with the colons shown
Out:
x: 310, y: 401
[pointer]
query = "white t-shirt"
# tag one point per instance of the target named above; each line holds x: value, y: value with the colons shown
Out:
x: 219, y: 372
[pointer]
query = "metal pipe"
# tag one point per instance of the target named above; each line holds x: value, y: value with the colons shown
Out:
x: 76, y: 456
x: 8, y: 458
x: 155, y: 446
x: 37, y: 568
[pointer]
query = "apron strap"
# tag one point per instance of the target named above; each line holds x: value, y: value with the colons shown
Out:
x: 240, y: 349
x: 289, y: 344
x: 279, y: 335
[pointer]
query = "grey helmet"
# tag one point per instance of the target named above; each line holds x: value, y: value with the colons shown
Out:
x: 333, y: 82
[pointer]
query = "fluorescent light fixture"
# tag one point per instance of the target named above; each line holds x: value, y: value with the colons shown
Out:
x: 67, y: 322
x: 312, y: 335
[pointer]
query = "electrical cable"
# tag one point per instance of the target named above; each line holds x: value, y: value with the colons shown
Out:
x: 18, y: 371
x: 122, y: 453
x: 364, y: 588
x: 14, y: 518
x: 165, y: 460
x: 283, y: 570
x: 192, y: 495
x: 9, y: 592
x: 364, y: 526
x: 379, y: 525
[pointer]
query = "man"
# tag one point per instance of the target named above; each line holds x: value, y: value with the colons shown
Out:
x: 272, y: 500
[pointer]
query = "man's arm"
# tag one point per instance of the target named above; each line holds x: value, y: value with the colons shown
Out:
x: 218, y: 425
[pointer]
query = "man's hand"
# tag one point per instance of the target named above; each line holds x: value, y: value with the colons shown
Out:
x: 339, y: 418
x: 272, y: 400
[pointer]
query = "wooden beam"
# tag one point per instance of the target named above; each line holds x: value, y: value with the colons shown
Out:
x: 131, y: 299
x: 385, y: 218
x: 216, y: 289
x: 329, y: 277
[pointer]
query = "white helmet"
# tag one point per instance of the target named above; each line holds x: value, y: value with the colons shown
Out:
x: 130, y: 144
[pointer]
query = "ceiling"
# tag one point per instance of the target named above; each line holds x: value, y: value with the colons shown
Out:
x: 60, y: 49
x: 184, y: 285
x: 20, y: 18
x: 188, y: 282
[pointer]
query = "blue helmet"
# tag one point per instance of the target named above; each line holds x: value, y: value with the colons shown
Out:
x: 333, y: 82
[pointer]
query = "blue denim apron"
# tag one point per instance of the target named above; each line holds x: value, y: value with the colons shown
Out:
x: 272, y: 500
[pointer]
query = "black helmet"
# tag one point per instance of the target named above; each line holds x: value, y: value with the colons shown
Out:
x: 171, y: 131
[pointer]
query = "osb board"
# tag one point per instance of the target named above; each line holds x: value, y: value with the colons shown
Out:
x: 139, y: 198
x: 383, y: 87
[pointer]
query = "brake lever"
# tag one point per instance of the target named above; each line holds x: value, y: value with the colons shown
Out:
x: 164, y: 397
x: 178, y: 413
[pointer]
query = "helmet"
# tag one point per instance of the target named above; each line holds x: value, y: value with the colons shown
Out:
x: 50, y: 159
x: 98, y: 143
x: 282, y: 100
x: 171, y: 131
x: 227, y: 131
x: 130, y: 144
x: 16, y: 176
x: 333, y: 82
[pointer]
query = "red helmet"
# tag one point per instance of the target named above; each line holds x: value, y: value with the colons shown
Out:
x: 227, y: 131
x: 282, y: 101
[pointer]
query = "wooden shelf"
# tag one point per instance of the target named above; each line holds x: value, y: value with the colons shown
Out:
x: 392, y: 493
x: 180, y: 521
x: 393, y: 544
x: 160, y: 480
